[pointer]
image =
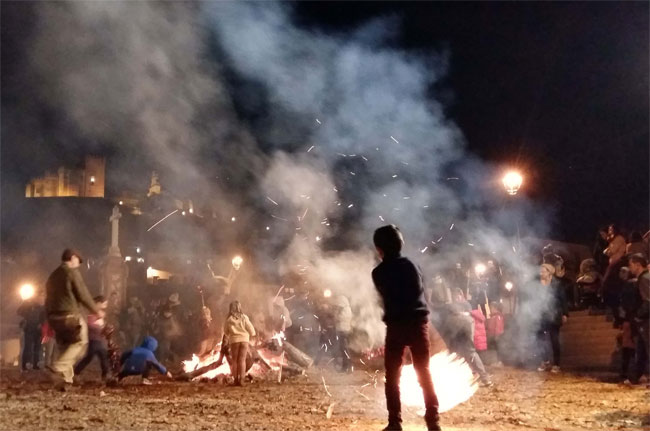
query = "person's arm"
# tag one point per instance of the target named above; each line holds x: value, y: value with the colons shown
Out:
x: 151, y: 359
x: 81, y: 291
x: 249, y: 326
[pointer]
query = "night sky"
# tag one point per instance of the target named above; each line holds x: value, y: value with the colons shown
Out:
x: 559, y: 90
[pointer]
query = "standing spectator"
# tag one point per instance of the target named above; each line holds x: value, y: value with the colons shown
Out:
x: 555, y: 314
x: 566, y: 284
x: 134, y: 321
x: 599, y: 250
x: 343, y: 320
x: 169, y: 331
x: 461, y: 327
x: 96, y: 340
x: 495, y: 326
x: 238, y: 331
x: 627, y: 343
x: 33, y: 316
x: 399, y: 283
x: 48, y: 343
x: 639, y: 267
x: 480, y: 334
x: 636, y: 245
x: 66, y: 292
x: 615, y: 251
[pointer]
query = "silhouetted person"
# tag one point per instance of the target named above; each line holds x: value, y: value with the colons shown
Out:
x: 400, y: 286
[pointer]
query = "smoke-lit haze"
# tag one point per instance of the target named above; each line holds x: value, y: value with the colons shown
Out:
x: 347, y: 134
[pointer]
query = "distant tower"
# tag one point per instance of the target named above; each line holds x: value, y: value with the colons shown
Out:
x: 154, y: 188
x: 93, y: 178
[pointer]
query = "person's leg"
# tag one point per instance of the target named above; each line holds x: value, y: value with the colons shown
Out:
x: 641, y: 359
x: 35, y: 340
x: 69, y: 353
x: 102, y: 354
x: 343, y: 347
x: 26, y: 354
x: 49, y: 351
x: 234, y: 351
x: 420, y: 354
x: 87, y: 359
x: 626, y: 355
x: 554, y: 332
x: 241, y: 368
x: 393, y: 364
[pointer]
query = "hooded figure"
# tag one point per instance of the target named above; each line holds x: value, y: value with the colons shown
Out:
x: 141, y: 360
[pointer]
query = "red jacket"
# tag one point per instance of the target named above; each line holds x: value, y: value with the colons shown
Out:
x: 480, y: 336
x: 495, y: 325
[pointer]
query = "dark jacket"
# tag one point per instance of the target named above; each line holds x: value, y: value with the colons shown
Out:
x: 65, y: 290
x: 643, y: 284
x: 558, y: 305
x: 400, y: 286
x: 135, y: 361
x: 33, y: 315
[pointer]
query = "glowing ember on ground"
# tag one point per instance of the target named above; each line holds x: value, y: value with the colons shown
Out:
x: 452, y: 379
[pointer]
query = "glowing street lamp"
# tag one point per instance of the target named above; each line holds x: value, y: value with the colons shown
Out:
x: 236, y: 262
x: 512, y: 182
x: 26, y: 291
x: 327, y: 293
x: 509, y: 286
x: 480, y: 269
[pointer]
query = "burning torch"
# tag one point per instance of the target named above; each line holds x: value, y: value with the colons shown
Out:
x: 234, y: 270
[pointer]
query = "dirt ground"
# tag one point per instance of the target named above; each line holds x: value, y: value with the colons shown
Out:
x: 520, y: 400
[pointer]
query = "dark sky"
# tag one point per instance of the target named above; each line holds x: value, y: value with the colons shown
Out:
x: 560, y: 89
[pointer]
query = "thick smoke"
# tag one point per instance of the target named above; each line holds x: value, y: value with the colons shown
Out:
x: 347, y: 135
x: 371, y: 132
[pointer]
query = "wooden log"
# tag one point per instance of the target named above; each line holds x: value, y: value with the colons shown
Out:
x: 297, y: 355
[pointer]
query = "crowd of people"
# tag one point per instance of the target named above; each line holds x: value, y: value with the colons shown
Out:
x: 171, y: 327
x: 469, y: 313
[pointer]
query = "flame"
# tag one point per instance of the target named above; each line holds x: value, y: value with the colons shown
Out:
x: 272, y: 358
x: 452, y: 377
x: 196, y: 363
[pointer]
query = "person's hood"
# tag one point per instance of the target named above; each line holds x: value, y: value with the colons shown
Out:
x: 149, y: 343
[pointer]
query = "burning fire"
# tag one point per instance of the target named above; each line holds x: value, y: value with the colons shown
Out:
x: 452, y: 379
x: 196, y: 363
x: 272, y: 359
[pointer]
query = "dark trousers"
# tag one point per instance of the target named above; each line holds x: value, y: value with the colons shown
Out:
x: 642, y: 356
x: 627, y: 354
x: 95, y: 348
x: 145, y: 373
x: 239, y: 352
x: 415, y: 336
x: 31, y: 348
x: 342, y: 338
x: 550, y: 335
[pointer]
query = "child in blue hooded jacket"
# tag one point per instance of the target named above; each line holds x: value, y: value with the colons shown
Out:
x: 140, y: 361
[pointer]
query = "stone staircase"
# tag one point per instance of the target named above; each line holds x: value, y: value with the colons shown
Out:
x: 588, y: 342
